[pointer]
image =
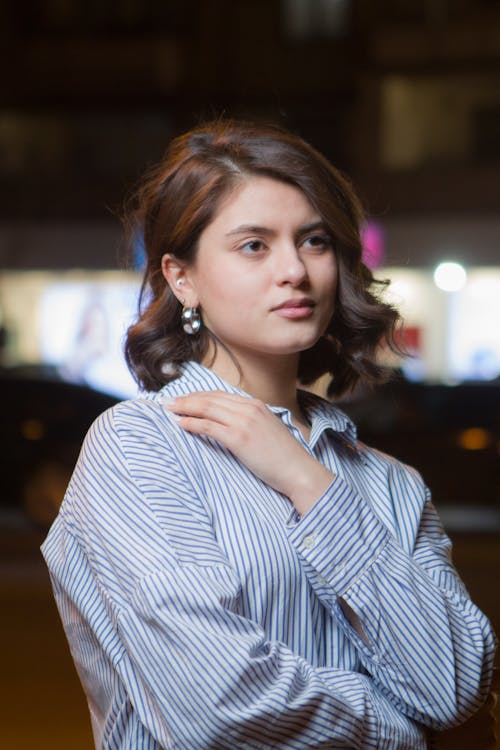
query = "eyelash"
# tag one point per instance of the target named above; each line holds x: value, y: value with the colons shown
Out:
x: 325, y: 243
x: 325, y: 240
x: 247, y: 245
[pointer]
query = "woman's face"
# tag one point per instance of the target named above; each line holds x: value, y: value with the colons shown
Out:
x: 265, y: 272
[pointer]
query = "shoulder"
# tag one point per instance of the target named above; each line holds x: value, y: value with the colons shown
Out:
x: 132, y: 454
x: 134, y: 436
x: 401, y: 484
x: 396, y: 491
x: 139, y: 417
x: 372, y: 456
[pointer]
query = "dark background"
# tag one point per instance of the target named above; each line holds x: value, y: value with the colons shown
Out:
x: 404, y: 95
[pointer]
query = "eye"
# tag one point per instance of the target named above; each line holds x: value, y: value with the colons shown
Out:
x: 252, y: 247
x: 317, y: 242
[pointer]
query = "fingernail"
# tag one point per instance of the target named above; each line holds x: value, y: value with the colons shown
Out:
x: 168, y: 402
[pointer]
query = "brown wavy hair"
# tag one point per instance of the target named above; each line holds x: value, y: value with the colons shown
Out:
x: 180, y: 196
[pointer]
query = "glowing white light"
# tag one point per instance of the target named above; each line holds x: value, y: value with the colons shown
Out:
x: 450, y: 277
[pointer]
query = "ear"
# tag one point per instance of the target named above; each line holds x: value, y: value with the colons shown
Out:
x: 178, y: 278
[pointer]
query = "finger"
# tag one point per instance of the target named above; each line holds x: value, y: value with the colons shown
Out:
x: 195, y: 417
x: 220, y: 406
x: 207, y: 427
x: 203, y: 396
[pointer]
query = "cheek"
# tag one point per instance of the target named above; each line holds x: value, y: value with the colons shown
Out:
x: 327, y: 281
x: 229, y: 284
x: 326, y: 276
x: 226, y: 295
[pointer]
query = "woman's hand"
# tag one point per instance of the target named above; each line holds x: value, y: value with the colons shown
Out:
x: 258, y: 438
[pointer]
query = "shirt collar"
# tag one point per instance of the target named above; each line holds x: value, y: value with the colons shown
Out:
x: 322, y: 414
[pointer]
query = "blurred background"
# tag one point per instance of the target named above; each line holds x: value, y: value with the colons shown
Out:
x: 402, y: 95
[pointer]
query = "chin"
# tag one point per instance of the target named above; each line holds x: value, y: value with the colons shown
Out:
x: 297, y: 346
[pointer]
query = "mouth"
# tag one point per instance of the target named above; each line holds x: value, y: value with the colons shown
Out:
x: 295, y: 308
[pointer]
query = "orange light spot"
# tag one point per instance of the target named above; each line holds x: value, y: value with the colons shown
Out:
x: 474, y: 439
x: 32, y: 429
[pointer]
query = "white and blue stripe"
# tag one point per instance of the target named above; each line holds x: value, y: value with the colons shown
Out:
x: 202, y: 613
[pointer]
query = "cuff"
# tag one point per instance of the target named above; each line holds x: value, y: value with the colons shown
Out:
x: 340, y: 537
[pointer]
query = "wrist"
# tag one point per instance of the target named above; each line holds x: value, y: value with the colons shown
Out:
x: 309, y: 485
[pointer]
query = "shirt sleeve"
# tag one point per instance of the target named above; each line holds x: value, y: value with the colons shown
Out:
x: 197, y: 673
x: 427, y: 647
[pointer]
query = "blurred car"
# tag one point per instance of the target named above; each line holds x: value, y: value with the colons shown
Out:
x: 451, y: 434
x: 44, y: 421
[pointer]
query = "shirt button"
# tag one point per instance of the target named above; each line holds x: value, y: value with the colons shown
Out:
x: 309, y: 541
x: 322, y: 581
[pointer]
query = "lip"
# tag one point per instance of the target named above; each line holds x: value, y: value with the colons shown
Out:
x: 295, y: 303
x: 295, y: 308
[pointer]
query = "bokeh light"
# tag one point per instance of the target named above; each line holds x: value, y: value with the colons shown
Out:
x: 450, y: 276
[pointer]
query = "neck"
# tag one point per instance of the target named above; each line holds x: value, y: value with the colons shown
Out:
x: 271, y: 379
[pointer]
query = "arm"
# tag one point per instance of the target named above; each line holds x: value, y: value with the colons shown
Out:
x: 426, y: 646
x: 424, y: 643
x: 198, y: 674
x: 215, y: 681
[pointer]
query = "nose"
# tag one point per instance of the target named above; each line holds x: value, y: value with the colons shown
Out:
x: 289, y: 266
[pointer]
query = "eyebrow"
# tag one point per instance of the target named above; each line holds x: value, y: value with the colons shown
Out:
x: 255, y: 229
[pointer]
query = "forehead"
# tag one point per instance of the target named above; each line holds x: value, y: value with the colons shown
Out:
x: 263, y: 200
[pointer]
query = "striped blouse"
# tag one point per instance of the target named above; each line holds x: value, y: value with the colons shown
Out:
x: 203, y: 612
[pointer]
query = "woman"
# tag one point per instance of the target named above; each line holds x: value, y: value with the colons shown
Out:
x: 233, y: 568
